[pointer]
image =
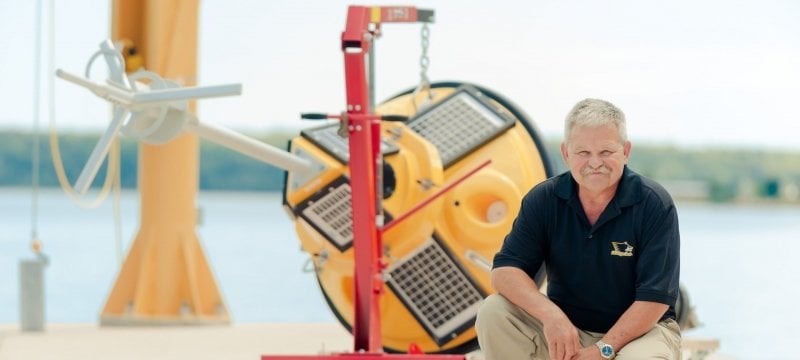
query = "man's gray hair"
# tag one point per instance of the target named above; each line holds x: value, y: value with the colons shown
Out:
x: 594, y: 113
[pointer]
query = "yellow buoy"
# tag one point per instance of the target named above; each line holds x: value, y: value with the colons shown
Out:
x: 438, y: 259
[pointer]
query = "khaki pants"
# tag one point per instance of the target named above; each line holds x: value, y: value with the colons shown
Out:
x: 506, y: 332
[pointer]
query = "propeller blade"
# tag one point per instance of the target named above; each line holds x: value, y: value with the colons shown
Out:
x: 99, y: 152
x: 179, y: 94
x: 113, y: 94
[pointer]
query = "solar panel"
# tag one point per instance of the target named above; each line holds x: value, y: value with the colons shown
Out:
x: 439, y: 293
x: 327, y: 138
x: 329, y: 212
x: 460, y: 123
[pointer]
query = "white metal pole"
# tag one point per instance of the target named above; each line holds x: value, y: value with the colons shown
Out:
x: 250, y: 147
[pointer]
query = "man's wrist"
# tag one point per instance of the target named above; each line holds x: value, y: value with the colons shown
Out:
x: 606, y: 350
x: 553, y: 315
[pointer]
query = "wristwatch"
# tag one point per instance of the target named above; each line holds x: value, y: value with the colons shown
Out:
x: 606, y: 350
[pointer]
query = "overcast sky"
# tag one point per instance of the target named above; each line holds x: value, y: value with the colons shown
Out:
x: 685, y: 72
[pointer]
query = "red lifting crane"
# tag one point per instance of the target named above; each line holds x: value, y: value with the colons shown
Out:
x: 363, y: 131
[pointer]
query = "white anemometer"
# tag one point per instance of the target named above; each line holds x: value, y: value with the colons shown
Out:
x: 157, y: 113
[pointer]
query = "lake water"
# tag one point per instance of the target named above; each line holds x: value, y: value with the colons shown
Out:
x: 738, y: 263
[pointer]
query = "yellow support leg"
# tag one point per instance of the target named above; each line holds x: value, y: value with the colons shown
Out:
x: 165, y: 278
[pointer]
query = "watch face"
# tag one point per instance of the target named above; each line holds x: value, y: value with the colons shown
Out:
x: 606, y: 350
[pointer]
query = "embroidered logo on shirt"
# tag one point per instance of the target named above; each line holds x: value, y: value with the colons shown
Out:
x: 621, y: 249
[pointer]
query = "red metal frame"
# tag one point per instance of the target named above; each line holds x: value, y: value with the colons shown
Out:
x: 364, y: 147
x: 427, y: 201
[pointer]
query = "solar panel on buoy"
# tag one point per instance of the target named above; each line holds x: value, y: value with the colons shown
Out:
x: 440, y: 295
x: 459, y: 124
x: 328, y: 139
x: 329, y: 212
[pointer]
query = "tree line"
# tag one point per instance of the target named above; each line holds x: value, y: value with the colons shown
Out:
x: 220, y: 169
x: 725, y: 171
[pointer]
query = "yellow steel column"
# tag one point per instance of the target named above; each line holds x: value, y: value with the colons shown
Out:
x: 165, y: 278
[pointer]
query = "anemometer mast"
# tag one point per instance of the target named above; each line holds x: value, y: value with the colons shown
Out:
x: 165, y: 278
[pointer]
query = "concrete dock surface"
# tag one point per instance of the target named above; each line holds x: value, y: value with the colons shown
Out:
x: 233, y: 342
x: 240, y: 341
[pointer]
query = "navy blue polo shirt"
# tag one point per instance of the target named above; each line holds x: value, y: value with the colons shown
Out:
x: 595, y: 272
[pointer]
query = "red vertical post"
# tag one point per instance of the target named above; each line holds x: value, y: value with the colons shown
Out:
x: 366, y: 239
x: 365, y: 154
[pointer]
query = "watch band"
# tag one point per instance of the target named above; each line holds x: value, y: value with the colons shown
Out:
x: 606, y: 350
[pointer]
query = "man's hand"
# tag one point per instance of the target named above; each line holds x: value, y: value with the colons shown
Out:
x: 562, y: 338
x: 590, y: 352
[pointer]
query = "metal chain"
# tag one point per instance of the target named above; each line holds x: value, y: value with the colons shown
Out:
x: 424, y: 60
x: 424, y: 63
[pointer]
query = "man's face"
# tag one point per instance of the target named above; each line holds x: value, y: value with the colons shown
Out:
x: 595, y: 157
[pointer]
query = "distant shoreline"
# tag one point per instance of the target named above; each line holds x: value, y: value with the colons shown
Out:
x: 720, y: 174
